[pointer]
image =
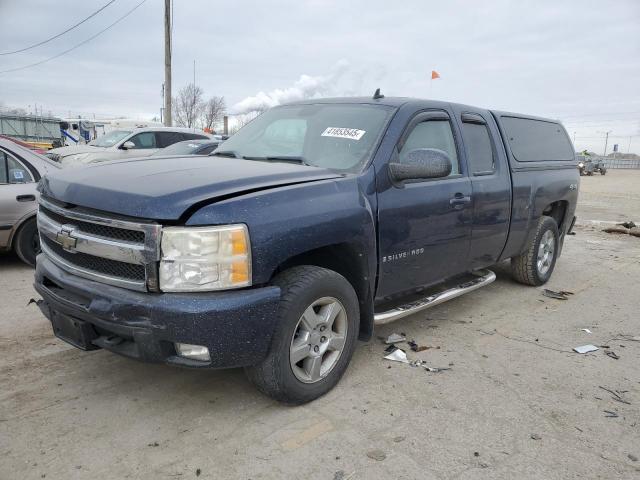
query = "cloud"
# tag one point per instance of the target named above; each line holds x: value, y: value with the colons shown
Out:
x: 306, y: 86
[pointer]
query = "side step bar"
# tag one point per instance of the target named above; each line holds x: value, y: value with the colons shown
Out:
x: 483, y: 278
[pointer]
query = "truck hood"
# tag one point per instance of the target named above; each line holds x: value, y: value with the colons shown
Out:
x: 164, y: 188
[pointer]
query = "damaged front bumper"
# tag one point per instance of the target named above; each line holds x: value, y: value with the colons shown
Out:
x: 236, y: 326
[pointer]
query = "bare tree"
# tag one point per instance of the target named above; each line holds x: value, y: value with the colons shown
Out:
x: 213, y: 111
x: 188, y: 105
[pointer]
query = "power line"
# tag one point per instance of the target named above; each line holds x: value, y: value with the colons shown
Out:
x: 76, y: 46
x: 60, y: 34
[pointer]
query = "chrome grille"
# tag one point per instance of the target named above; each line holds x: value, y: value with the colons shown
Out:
x: 98, y: 229
x: 106, y: 249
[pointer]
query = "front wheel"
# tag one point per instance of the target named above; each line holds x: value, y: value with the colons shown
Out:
x: 315, y: 336
x: 27, y: 242
x: 535, y: 265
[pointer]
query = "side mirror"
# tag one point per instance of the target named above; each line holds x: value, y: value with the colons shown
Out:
x: 422, y: 163
x: 128, y: 145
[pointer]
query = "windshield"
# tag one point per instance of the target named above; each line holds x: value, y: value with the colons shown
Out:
x: 335, y: 136
x: 109, y: 139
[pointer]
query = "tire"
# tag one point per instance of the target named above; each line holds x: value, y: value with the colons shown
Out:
x: 301, y: 289
x: 603, y: 171
x: 26, y: 243
x: 535, y: 265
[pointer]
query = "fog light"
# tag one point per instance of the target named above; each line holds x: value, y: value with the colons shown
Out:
x: 194, y: 352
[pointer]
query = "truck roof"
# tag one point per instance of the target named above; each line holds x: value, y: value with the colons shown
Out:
x: 398, y: 102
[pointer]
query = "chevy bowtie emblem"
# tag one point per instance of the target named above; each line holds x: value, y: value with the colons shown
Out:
x: 65, y: 238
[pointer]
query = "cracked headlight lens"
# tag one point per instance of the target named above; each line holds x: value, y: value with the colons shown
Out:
x: 198, y: 259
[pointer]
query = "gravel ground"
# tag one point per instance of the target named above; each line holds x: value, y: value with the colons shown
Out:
x: 516, y: 402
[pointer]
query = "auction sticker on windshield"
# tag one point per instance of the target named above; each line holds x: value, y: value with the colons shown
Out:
x: 338, y: 132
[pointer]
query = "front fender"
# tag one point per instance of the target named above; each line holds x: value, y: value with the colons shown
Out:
x: 289, y: 221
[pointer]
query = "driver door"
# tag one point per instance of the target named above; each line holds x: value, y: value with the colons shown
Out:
x: 424, y: 226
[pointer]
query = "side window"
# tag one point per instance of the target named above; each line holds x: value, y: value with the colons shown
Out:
x: 12, y: 171
x: 194, y: 136
x: 479, y: 148
x: 144, y: 140
x: 164, y: 139
x: 432, y: 134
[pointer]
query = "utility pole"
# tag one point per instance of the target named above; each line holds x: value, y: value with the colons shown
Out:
x: 167, y: 63
x: 606, y: 140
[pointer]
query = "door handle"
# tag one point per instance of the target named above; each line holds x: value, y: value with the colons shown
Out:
x: 26, y: 198
x: 459, y: 201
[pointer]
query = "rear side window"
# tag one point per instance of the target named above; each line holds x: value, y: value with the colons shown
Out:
x: 164, y: 139
x: 12, y: 171
x: 432, y: 134
x: 479, y: 148
x: 537, y: 140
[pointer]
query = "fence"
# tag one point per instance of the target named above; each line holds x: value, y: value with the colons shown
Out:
x: 611, y: 162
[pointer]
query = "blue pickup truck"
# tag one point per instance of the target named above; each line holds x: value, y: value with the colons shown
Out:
x: 310, y: 225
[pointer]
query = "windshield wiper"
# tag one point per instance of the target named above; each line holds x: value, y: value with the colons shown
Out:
x: 226, y: 153
x: 280, y: 158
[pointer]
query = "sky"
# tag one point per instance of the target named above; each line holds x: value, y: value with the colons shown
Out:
x: 577, y: 61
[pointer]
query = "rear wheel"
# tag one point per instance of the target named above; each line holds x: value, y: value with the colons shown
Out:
x: 27, y: 242
x: 535, y: 265
x: 315, y: 337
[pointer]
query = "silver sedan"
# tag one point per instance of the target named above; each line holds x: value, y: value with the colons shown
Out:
x: 20, y: 171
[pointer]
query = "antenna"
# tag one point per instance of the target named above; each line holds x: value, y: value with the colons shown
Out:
x: 377, y: 94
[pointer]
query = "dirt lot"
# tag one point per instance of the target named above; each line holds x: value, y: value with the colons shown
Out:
x: 517, y: 403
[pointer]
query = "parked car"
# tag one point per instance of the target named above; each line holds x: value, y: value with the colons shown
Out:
x: 125, y: 143
x: 189, y: 147
x: 20, y: 171
x: 310, y: 225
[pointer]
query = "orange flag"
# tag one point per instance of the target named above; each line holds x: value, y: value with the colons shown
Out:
x: 434, y: 75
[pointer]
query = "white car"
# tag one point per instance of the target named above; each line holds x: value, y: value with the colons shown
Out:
x: 123, y: 143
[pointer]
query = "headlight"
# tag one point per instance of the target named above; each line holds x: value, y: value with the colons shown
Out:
x: 581, y: 164
x: 198, y: 259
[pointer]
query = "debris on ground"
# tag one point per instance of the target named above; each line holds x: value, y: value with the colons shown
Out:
x: 198, y: 472
x: 398, y: 439
x: 612, y: 354
x: 415, y: 347
x: 586, y: 330
x: 397, y: 355
x: 420, y: 363
x: 395, y: 338
x: 377, y: 455
x: 535, y: 436
x: 633, y: 458
x: 154, y: 444
x: 616, y: 395
x: 625, y: 228
x: 585, y: 349
x: 561, y: 295
x: 610, y: 414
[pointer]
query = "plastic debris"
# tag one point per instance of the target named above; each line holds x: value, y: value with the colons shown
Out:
x: 395, y: 338
x: 397, y: 356
x: 585, y: 349
x: 420, y: 363
x: 586, y: 330
x: 628, y: 224
x: 612, y: 354
x: 535, y: 436
x: 610, y: 414
x: 561, y: 295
